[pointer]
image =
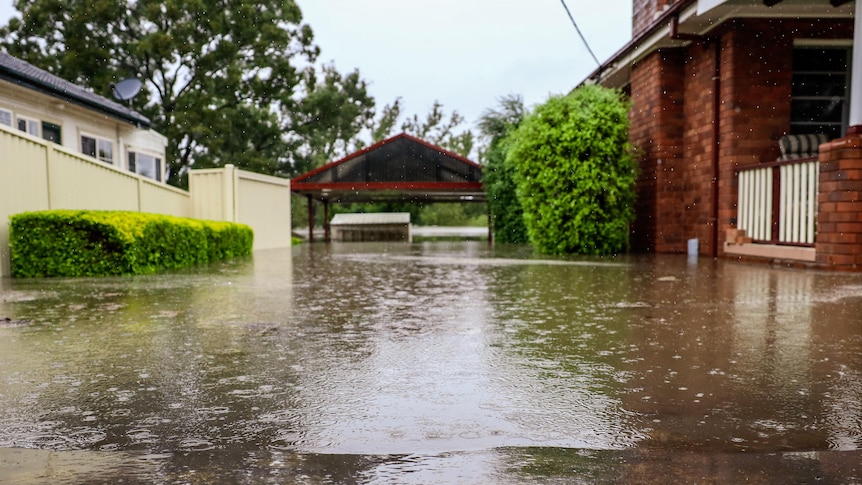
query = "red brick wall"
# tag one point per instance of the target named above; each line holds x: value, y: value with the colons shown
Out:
x: 756, y: 70
x: 699, y: 143
x: 656, y: 131
x: 839, y: 217
x: 673, y: 120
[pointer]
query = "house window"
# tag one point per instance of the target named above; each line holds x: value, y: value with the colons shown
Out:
x: 5, y: 117
x: 146, y: 165
x: 98, y: 148
x: 29, y: 125
x: 819, y: 94
x: 51, y: 132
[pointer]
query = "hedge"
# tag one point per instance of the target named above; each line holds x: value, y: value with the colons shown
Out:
x: 103, y: 243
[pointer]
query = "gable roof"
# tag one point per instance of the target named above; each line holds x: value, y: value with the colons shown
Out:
x: 27, y: 75
x: 399, y: 168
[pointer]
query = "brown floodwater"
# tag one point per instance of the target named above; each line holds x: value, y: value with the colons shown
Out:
x: 436, y: 362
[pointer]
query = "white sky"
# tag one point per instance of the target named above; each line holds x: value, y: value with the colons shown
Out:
x: 464, y: 53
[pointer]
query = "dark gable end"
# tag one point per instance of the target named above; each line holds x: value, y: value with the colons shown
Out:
x: 29, y: 76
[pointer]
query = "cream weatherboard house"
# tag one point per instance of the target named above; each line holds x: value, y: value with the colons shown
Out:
x: 46, y: 106
x: 63, y: 147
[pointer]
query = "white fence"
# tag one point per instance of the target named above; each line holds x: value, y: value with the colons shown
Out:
x: 778, y: 202
x: 39, y: 175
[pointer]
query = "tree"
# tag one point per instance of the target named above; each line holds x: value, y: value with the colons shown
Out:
x: 437, y: 129
x: 326, y: 121
x: 383, y: 127
x: 220, y: 76
x: 575, y: 173
x: 498, y: 176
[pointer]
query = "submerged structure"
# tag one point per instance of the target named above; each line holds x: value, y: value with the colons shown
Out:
x: 399, y: 169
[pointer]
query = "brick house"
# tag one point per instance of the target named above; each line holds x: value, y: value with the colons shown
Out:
x: 748, y: 127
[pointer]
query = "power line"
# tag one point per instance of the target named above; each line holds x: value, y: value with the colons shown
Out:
x: 579, y: 33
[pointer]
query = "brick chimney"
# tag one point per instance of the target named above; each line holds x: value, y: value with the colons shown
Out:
x: 644, y: 12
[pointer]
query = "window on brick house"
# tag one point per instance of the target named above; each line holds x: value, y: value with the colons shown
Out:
x: 819, y: 94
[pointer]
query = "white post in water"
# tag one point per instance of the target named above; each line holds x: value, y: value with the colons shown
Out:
x: 856, y: 74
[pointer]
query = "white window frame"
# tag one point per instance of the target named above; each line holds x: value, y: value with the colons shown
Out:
x: 30, y: 124
x: 11, y: 117
x: 135, y: 153
x: 99, y: 141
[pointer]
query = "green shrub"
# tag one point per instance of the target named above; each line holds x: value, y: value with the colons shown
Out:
x: 575, y: 173
x: 498, y: 178
x: 100, y: 243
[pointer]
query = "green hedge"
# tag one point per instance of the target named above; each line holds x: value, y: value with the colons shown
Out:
x: 101, y: 243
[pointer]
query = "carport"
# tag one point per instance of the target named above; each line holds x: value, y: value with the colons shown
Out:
x: 399, y: 169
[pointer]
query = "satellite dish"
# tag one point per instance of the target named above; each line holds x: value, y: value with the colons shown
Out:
x: 127, y: 89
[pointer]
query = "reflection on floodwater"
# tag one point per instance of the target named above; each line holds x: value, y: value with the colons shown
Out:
x: 434, y: 363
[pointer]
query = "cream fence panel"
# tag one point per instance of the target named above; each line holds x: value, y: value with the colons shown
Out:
x: 212, y: 193
x: 230, y: 194
x: 39, y: 175
x: 164, y: 199
x: 23, y: 183
x: 263, y: 203
x: 79, y: 183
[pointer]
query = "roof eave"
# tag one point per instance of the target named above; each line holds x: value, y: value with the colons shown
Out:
x: 698, y: 18
x: 20, y: 79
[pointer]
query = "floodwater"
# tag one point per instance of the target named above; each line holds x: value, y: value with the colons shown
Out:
x: 434, y: 363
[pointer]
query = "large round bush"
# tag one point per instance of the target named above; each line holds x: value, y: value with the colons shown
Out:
x: 575, y: 173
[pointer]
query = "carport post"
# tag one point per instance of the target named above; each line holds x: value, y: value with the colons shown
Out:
x: 490, y: 225
x: 326, y: 220
x: 310, y: 218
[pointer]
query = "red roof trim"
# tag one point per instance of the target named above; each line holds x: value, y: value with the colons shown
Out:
x: 342, y: 186
x: 377, y: 145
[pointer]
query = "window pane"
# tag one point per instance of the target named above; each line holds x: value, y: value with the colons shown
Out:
x: 147, y: 166
x: 22, y: 125
x: 88, y: 146
x: 819, y: 92
x: 820, y: 59
x: 832, y: 131
x: 51, y: 132
x: 6, y: 117
x: 33, y: 127
x: 819, y: 85
x: 106, y: 151
x: 822, y: 110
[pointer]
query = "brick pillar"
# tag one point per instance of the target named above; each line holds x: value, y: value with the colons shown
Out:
x: 839, y: 216
x: 657, y: 124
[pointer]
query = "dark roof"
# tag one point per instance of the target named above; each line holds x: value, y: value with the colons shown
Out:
x: 401, y: 168
x: 27, y: 75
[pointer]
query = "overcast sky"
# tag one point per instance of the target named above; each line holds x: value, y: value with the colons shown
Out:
x: 464, y: 53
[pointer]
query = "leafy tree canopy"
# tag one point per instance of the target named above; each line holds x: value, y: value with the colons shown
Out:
x: 575, y: 173
x: 224, y: 79
x: 496, y: 126
x: 439, y: 129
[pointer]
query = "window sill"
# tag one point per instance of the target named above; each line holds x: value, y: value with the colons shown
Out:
x: 771, y: 251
